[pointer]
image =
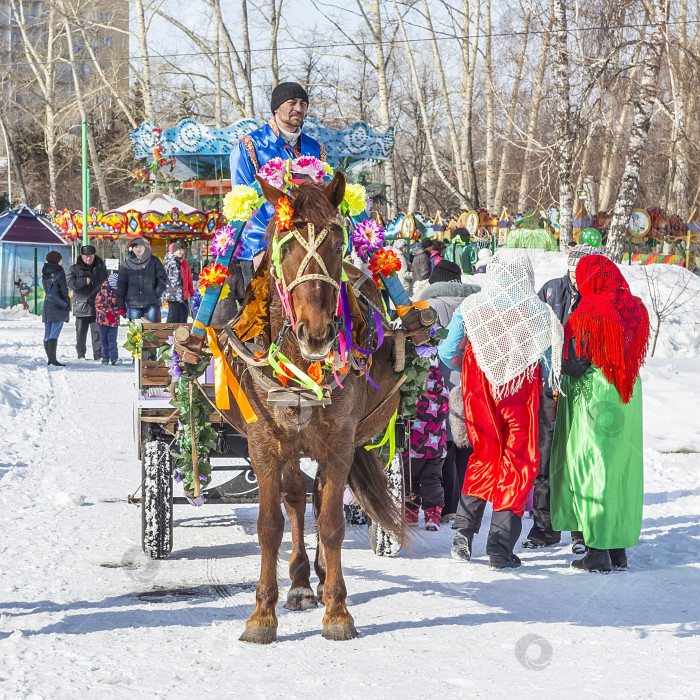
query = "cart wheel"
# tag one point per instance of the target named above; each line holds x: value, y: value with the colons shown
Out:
x: 383, y: 542
x: 157, y: 503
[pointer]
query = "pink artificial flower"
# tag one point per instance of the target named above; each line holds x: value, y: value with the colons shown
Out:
x: 367, y: 237
x: 273, y: 172
x: 223, y: 238
x: 309, y: 166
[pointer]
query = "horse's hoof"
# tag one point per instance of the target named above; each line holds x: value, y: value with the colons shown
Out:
x: 301, y: 599
x: 340, y: 632
x: 259, y: 635
x: 319, y: 593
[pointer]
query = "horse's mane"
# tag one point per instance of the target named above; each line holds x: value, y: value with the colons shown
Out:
x: 309, y: 203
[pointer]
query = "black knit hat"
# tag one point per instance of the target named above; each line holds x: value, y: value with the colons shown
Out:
x: 287, y: 91
x: 445, y: 271
x: 426, y: 243
x: 88, y: 250
x: 177, y: 245
x: 53, y: 256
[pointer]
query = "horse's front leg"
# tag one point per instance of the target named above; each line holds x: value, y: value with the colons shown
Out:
x: 301, y: 595
x: 261, y: 627
x: 337, y: 621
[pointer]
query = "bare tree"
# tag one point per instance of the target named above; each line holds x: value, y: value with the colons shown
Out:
x: 638, y: 134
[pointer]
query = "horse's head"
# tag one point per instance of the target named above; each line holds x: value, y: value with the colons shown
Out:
x: 307, y: 261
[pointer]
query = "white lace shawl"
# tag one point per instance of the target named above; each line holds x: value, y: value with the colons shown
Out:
x: 509, y: 327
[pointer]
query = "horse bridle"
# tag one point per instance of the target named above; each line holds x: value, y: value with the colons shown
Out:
x: 311, y: 246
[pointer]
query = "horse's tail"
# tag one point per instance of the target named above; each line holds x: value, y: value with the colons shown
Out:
x: 370, y: 486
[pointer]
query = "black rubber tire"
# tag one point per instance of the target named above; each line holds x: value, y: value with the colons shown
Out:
x: 157, y: 501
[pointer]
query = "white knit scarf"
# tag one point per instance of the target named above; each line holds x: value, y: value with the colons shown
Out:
x: 509, y: 327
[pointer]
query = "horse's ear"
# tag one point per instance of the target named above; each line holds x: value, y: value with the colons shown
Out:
x: 335, y: 190
x: 271, y: 194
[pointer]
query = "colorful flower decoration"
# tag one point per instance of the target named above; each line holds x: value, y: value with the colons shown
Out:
x: 284, y: 214
x: 213, y: 275
x: 223, y: 238
x: 384, y: 262
x: 274, y: 172
x: 174, y: 367
x: 355, y: 200
x: 284, y: 376
x: 315, y: 372
x: 367, y: 237
x: 241, y: 202
x: 312, y: 167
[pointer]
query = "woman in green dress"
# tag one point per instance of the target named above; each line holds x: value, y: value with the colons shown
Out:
x: 597, y: 463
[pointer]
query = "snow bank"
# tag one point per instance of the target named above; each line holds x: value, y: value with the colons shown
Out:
x: 17, y: 311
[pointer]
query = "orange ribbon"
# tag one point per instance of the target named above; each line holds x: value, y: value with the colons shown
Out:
x: 224, y: 379
x: 402, y: 310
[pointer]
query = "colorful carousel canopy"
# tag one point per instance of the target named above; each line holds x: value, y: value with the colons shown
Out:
x: 202, y: 152
x: 154, y: 214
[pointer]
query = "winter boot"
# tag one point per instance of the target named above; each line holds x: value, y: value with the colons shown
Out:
x: 540, y: 537
x: 618, y: 559
x: 596, y: 560
x: 432, y: 518
x: 462, y: 545
x: 503, y: 561
x: 46, y: 350
x: 412, y: 516
x: 105, y: 362
x: 578, y: 546
x: 53, y: 345
x: 115, y: 362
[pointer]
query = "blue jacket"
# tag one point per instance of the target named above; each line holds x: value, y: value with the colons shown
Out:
x: 262, y: 145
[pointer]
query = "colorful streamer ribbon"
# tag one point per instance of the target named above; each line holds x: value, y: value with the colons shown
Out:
x: 224, y: 379
x: 389, y: 435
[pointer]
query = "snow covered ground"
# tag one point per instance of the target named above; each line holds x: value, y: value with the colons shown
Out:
x: 84, y: 614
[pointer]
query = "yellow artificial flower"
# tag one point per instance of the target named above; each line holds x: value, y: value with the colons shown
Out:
x: 240, y: 203
x: 355, y: 199
x: 329, y: 169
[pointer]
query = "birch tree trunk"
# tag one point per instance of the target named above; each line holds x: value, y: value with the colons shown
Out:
x: 564, y: 135
x: 232, y: 55
x: 505, y: 152
x: 638, y: 135
x: 275, y: 17
x: 92, y: 147
x: 248, y: 68
x: 14, y: 163
x: 427, y: 126
x: 375, y: 27
x: 452, y: 130
x: 612, y: 146
x: 469, y: 54
x: 218, y: 111
x: 490, y: 129
x: 145, y: 78
x: 537, y: 96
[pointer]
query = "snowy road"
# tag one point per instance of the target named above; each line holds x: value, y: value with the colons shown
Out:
x: 84, y: 614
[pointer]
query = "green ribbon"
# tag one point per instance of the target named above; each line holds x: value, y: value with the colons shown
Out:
x: 276, y: 253
x: 389, y: 435
x: 300, y: 377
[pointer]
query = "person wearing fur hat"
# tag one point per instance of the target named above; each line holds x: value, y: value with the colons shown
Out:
x: 108, y: 319
x: 85, y: 278
x: 563, y: 297
x: 444, y: 294
x: 282, y: 137
x: 56, y: 309
x: 180, y: 286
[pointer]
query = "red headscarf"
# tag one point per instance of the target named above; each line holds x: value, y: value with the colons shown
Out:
x: 610, y: 325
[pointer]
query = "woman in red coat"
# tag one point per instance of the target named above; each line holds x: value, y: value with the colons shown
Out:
x: 508, y: 332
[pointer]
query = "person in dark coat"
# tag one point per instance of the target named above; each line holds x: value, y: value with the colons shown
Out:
x: 85, y: 278
x: 142, y: 281
x: 444, y: 294
x: 53, y: 314
x: 563, y: 297
x: 420, y: 266
x: 180, y: 286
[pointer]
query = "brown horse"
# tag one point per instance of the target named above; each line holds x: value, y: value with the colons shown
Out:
x: 334, y: 436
